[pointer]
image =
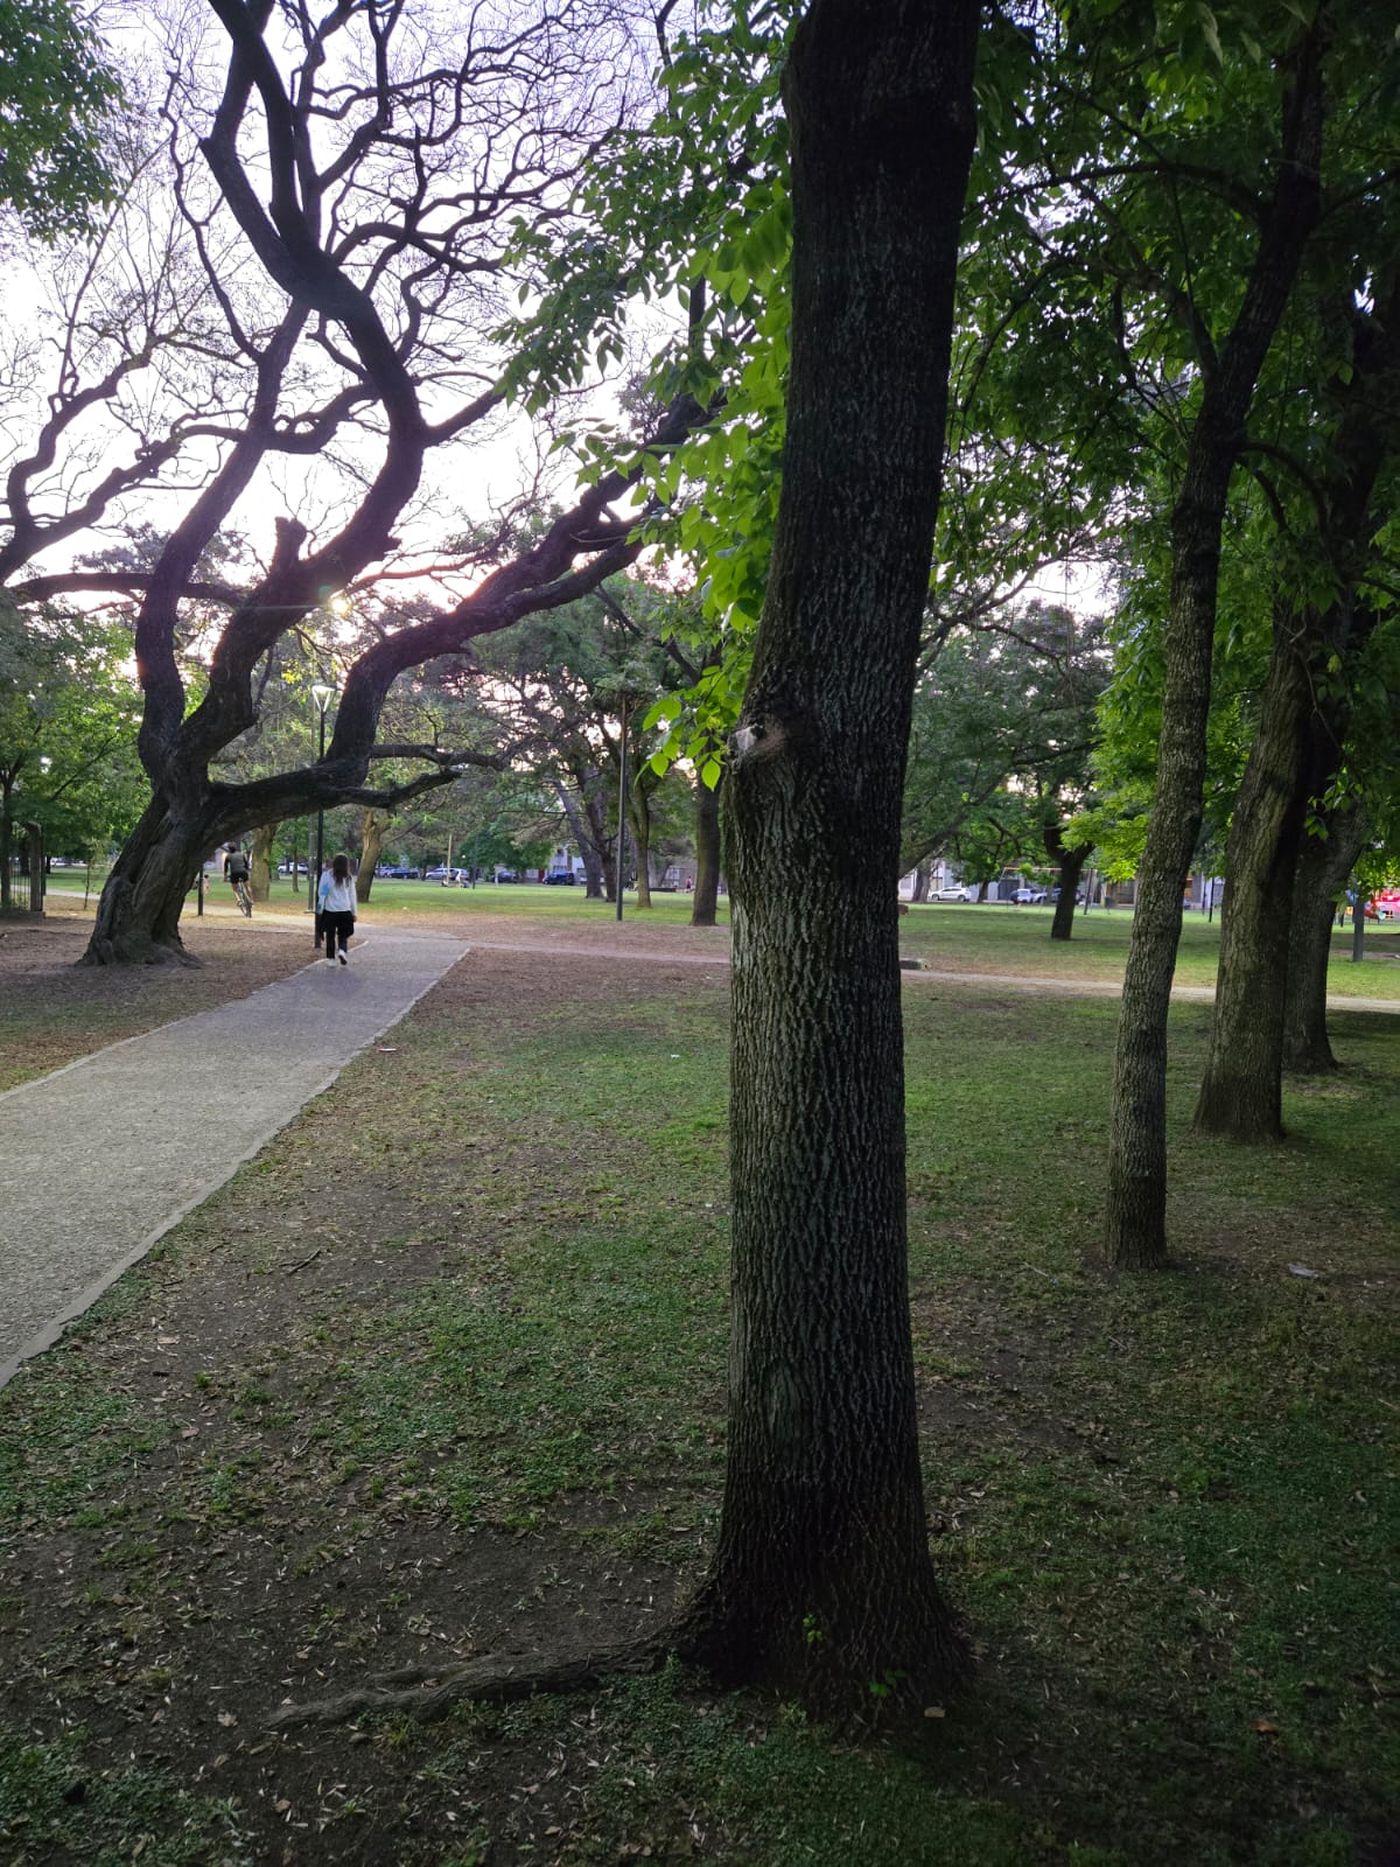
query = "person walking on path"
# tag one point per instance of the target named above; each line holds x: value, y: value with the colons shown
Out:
x: 338, y: 903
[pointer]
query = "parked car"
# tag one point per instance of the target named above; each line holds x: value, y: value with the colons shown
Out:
x: 439, y: 874
x: 1385, y: 906
x: 1028, y: 897
x: 560, y: 878
x: 507, y: 875
x: 958, y: 893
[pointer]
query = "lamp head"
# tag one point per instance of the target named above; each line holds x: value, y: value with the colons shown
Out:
x: 322, y: 694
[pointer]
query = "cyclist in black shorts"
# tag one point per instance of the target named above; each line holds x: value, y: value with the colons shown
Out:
x: 236, y: 873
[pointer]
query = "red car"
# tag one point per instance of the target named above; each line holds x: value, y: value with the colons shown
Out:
x: 1385, y: 906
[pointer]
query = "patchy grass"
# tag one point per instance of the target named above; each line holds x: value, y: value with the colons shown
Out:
x: 441, y: 1373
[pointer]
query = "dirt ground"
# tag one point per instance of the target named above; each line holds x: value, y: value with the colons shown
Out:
x: 53, y: 1010
x: 234, y: 1485
x: 168, y: 1619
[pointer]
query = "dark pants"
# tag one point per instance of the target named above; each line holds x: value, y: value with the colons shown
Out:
x: 338, y: 928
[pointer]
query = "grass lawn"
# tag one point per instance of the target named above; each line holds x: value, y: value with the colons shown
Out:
x: 441, y: 1373
x: 994, y: 937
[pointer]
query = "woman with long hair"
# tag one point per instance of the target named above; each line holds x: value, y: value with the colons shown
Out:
x: 336, y: 896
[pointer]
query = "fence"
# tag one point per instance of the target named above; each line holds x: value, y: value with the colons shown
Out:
x: 21, y: 869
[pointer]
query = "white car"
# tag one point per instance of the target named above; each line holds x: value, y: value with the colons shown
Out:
x: 956, y: 893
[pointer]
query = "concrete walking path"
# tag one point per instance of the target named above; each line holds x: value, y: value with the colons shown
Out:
x: 99, y: 1159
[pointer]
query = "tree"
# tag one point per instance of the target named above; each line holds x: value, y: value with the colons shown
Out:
x: 1326, y: 615
x: 346, y: 327
x: 1229, y: 369
x: 576, y: 683
x: 67, y: 721
x: 822, y: 1582
x: 56, y: 101
x: 1003, y: 738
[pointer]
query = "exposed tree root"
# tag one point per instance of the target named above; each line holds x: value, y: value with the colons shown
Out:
x: 695, y: 1637
x: 137, y: 950
x: 430, y: 1695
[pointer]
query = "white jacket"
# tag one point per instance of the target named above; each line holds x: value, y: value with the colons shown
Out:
x: 337, y: 897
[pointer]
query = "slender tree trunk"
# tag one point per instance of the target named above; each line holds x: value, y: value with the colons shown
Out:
x: 821, y: 1581
x: 1137, y: 1160
x: 1242, y: 1092
x: 639, y: 815
x: 707, y: 853
x: 1358, y: 925
x: 922, y: 871
x: 584, y: 818
x: 1070, y: 866
x: 1323, y: 867
x: 7, y: 784
x: 372, y: 827
x: 261, y: 861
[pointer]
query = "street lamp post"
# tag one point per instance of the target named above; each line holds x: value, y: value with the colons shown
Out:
x: 321, y: 694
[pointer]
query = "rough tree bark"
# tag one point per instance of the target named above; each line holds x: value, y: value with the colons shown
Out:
x: 261, y: 861
x: 1137, y: 1161
x: 372, y: 827
x: 1323, y: 867
x: 707, y: 853
x: 822, y: 1583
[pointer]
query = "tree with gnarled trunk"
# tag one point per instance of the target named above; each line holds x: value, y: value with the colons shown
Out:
x: 354, y: 330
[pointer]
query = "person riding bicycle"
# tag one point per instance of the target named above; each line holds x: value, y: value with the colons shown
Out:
x: 236, y: 870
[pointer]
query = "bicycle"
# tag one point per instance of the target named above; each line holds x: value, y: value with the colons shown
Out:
x: 243, y: 895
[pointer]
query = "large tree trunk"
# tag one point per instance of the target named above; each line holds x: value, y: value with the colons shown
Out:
x: 1242, y: 1092
x: 707, y: 853
x: 1323, y: 867
x: 138, y: 916
x: 822, y: 1582
x: 372, y: 827
x: 261, y: 861
x: 922, y: 871
x: 1137, y: 1160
